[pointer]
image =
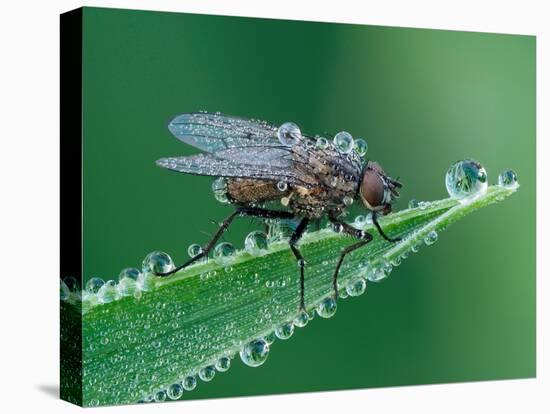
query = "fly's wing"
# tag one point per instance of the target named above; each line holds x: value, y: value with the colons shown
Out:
x: 266, y: 163
x: 213, y: 132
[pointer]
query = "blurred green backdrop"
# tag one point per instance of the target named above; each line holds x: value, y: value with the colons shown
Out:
x: 461, y: 310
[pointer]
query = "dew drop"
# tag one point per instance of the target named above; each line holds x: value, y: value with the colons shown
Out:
x: 189, y: 383
x: 376, y: 274
x: 466, y: 178
x: 356, y: 287
x: 343, y: 141
x: 108, y: 292
x: 289, y: 134
x: 224, y: 252
x: 129, y: 272
x: 145, y: 282
x: 174, y: 391
x: 327, y: 308
x: 64, y: 291
x: 157, y: 262
x: 321, y: 143
x: 348, y: 201
x: 255, y: 353
x: 94, y: 284
x: 160, y: 396
x: 223, y: 364
x: 194, y: 250
x: 72, y: 284
x: 282, y: 186
x: 507, y: 179
x: 126, y: 286
x: 255, y: 242
x: 431, y: 238
x: 301, y: 320
x: 207, y: 374
x: 219, y: 188
x: 285, y: 331
x: 361, y: 147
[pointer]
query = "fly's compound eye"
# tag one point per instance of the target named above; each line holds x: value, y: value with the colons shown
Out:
x: 373, y: 190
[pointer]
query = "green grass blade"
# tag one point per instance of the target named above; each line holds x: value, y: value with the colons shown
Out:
x: 136, y: 347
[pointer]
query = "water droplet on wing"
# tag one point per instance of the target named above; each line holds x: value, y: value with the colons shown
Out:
x: 289, y: 134
x: 343, y: 141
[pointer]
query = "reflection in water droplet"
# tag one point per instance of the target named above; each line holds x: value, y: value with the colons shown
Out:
x: 285, y: 331
x: 431, y: 238
x: 126, y: 286
x: 224, y: 252
x: 189, y: 383
x: 507, y: 179
x: 194, y: 250
x: 175, y: 391
x: 160, y: 396
x: 465, y: 179
x: 255, y: 353
x: 327, y: 308
x: 219, y: 188
x: 270, y: 338
x: 356, y: 287
x: 321, y: 143
x: 255, y: 242
x: 343, y: 141
x: 413, y: 203
x: 129, y: 272
x: 376, y: 274
x: 207, y: 374
x: 94, y: 284
x: 157, y: 262
x: 223, y: 364
x: 361, y: 147
x: 289, y: 134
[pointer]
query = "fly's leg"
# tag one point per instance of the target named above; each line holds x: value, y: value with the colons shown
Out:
x: 363, y: 236
x: 298, y: 233
x: 390, y: 239
x: 241, y: 212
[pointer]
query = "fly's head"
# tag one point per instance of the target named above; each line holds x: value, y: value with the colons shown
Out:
x: 378, y: 191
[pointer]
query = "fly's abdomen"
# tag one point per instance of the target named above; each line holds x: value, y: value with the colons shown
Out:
x: 249, y: 191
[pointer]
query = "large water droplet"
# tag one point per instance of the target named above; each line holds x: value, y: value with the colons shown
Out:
x: 465, y: 179
x: 284, y: 331
x: 507, y: 179
x: 321, y: 143
x: 431, y: 238
x: 301, y: 320
x: 129, y: 272
x: 289, y: 134
x: 94, y: 284
x: 127, y: 286
x: 223, y: 364
x: 189, y: 383
x: 108, y: 292
x: 157, y: 262
x: 219, y: 188
x: 175, y: 391
x: 160, y: 396
x: 255, y: 242
x: 207, y: 374
x: 361, y: 147
x: 194, y: 250
x: 343, y: 141
x: 356, y: 287
x: 255, y: 353
x: 224, y: 252
x: 327, y: 308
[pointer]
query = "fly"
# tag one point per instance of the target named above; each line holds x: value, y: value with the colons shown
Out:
x: 262, y: 164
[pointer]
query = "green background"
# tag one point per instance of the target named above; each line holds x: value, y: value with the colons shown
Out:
x: 461, y: 310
